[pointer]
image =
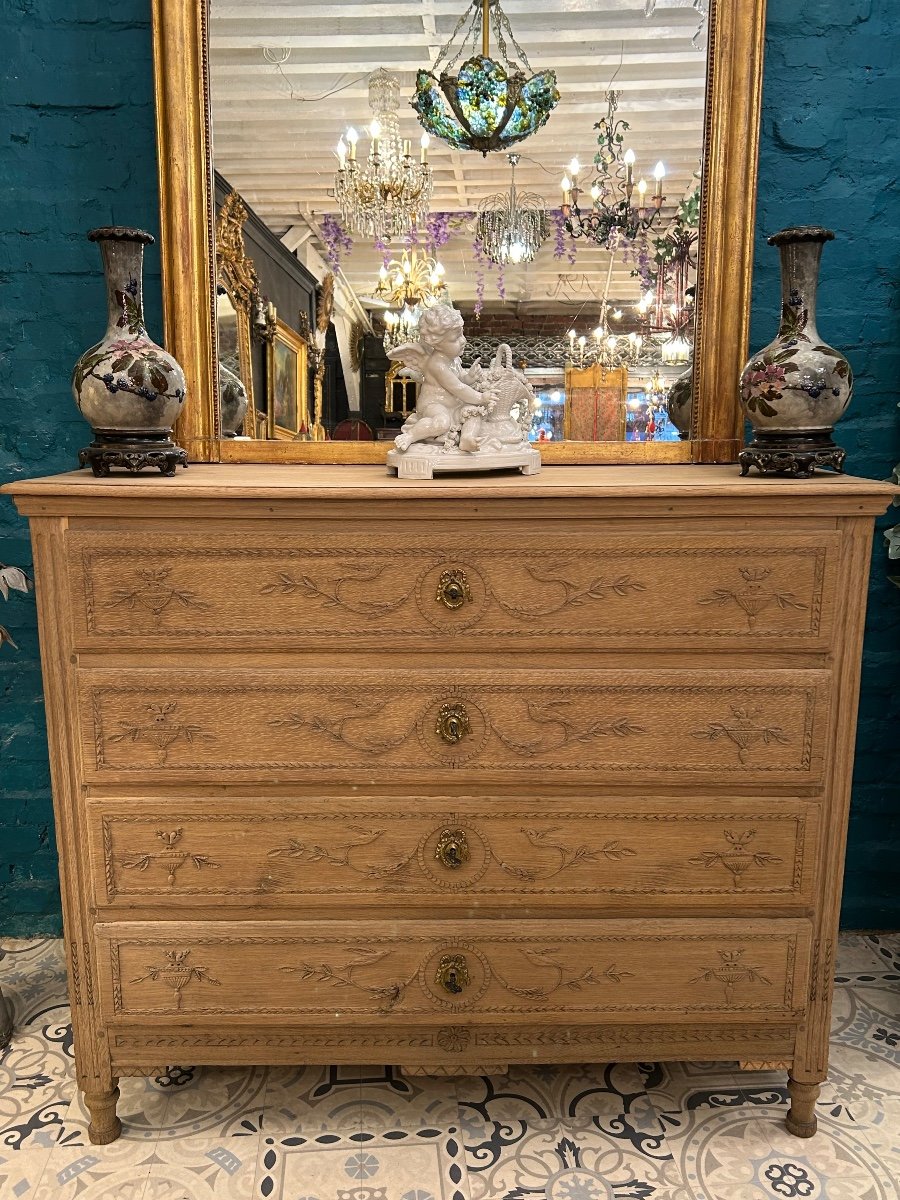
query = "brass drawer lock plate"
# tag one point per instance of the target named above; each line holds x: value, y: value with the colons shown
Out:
x: 452, y: 850
x: 453, y: 588
x: 452, y: 973
x: 452, y: 723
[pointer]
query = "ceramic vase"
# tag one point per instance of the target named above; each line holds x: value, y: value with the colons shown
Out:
x: 128, y: 388
x: 679, y: 402
x: 232, y: 401
x: 794, y: 390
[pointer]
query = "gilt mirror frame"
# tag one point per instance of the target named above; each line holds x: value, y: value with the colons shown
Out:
x: 236, y: 275
x: 731, y: 140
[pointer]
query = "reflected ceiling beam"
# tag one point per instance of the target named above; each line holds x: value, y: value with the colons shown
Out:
x: 391, y: 38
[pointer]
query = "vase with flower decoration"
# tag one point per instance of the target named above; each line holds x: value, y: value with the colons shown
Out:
x: 128, y: 388
x: 794, y: 390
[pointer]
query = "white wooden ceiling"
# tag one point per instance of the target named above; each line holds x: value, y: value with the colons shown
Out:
x: 275, y: 128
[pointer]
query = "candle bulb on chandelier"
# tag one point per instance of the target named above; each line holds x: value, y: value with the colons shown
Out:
x: 659, y: 173
x: 424, y: 142
x: 642, y: 191
x: 342, y: 152
x: 375, y: 132
x: 352, y: 139
x: 407, y: 148
x: 574, y: 168
x: 628, y: 159
x: 566, y: 186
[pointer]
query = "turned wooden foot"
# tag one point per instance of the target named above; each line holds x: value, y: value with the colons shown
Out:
x: 105, y: 1126
x: 801, y: 1118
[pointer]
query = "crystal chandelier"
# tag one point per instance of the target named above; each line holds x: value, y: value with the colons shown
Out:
x: 608, y: 350
x: 388, y: 196
x: 512, y: 226
x: 409, y: 285
x: 613, y: 212
x: 489, y: 104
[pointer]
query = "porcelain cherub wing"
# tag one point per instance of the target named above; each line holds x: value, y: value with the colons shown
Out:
x: 412, y: 354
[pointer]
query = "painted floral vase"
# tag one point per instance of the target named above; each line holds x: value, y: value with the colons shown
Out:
x: 794, y: 390
x: 679, y: 401
x: 128, y: 388
x: 232, y: 401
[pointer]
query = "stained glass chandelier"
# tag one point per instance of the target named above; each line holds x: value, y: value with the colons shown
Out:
x: 409, y: 285
x: 619, y: 207
x: 512, y: 226
x: 388, y: 196
x: 490, y: 104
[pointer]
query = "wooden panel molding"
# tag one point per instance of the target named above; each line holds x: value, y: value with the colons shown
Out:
x: 381, y: 588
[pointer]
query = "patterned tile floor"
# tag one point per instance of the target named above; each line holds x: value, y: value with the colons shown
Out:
x: 682, y: 1131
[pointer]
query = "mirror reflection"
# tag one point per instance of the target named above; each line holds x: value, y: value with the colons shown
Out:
x: 535, y: 165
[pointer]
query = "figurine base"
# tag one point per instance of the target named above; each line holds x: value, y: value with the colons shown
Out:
x: 423, y: 462
x: 132, y: 453
x: 799, y: 454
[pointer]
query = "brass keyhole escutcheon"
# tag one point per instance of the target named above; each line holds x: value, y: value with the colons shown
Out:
x: 452, y: 973
x: 453, y: 588
x: 452, y: 850
x: 452, y: 723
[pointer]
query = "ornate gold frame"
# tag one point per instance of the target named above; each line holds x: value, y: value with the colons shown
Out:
x: 734, y: 85
x: 290, y: 338
x: 236, y: 273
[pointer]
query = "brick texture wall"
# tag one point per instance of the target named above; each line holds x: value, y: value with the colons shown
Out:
x: 77, y: 150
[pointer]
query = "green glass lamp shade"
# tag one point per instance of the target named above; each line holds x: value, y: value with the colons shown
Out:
x: 483, y: 107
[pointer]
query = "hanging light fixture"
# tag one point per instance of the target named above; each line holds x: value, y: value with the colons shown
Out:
x: 409, y: 285
x: 490, y: 104
x: 389, y: 195
x: 608, y: 350
x: 619, y: 207
x: 512, y: 226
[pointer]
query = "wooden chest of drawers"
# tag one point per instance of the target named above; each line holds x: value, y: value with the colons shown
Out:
x: 450, y: 774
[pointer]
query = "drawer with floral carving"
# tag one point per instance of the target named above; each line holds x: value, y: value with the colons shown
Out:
x: 402, y: 727
x: 489, y: 587
x: 327, y: 972
x: 539, y: 853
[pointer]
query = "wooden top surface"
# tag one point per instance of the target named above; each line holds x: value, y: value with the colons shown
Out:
x: 372, y: 483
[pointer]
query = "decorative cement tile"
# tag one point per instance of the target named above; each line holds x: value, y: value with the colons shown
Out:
x: 215, y: 1101
x: 574, y: 1160
x: 396, y: 1164
x: 856, y: 953
x: 316, y: 1099
x: 497, y: 1111
x: 21, y: 1171
x: 116, y: 1172
x: 203, y: 1168
x: 886, y: 947
x: 33, y: 977
x: 36, y: 1086
x: 736, y: 1154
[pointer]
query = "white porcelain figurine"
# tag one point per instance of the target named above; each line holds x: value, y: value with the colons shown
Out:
x: 472, y: 420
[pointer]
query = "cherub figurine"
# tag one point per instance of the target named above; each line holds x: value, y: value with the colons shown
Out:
x: 462, y: 420
x: 446, y: 400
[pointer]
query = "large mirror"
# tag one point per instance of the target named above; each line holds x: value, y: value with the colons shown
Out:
x: 604, y: 234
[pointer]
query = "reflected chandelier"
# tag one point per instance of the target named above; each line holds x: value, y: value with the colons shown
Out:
x: 490, y: 104
x: 409, y: 285
x: 512, y: 226
x: 609, y: 351
x: 388, y: 196
x: 612, y: 214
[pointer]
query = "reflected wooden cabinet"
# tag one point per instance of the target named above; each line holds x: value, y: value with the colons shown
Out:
x: 548, y: 769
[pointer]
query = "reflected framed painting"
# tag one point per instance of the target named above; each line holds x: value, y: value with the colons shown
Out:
x: 286, y: 383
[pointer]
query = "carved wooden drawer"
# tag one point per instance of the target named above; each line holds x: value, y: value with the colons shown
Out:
x: 327, y: 972
x: 667, y: 726
x: 539, y: 854
x: 393, y: 588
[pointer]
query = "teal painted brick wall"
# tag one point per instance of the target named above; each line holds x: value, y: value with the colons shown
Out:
x: 77, y: 150
x: 830, y: 155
